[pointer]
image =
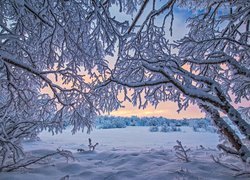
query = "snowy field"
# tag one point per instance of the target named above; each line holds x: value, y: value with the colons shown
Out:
x: 126, y: 139
x: 126, y: 153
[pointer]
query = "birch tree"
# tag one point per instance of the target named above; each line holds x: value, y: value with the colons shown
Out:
x: 50, y: 55
x: 211, y: 66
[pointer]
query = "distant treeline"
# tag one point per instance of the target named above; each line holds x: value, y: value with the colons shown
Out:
x: 106, y: 122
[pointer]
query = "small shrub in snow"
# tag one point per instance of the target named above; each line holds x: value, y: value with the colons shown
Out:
x: 170, y: 129
x: 111, y: 122
x: 176, y: 128
x: 132, y: 123
x: 154, y: 129
x: 165, y: 128
x: 204, y: 129
x: 91, y: 146
x: 181, y: 151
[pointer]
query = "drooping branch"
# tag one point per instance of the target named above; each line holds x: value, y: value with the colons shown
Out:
x: 41, y: 75
x: 199, y: 94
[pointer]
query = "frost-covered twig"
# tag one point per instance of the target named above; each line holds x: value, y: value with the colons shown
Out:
x: 239, y: 171
x: 181, y: 152
x: 228, y: 149
x: 229, y: 166
x: 24, y: 164
x: 92, y: 147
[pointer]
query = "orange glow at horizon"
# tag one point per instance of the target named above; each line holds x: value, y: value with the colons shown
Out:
x: 167, y: 110
x: 164, y: 109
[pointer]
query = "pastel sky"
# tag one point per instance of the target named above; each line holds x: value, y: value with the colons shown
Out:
x: 164, y: 109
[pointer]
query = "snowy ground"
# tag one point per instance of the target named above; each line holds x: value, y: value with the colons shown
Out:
x: 126, y: 153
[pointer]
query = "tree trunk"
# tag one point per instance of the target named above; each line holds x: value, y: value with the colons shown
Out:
x: 225, y: 129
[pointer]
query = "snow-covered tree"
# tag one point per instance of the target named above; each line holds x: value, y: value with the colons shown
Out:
x: 211, y: 64
x: 51, y: 53
x: 53, y: 65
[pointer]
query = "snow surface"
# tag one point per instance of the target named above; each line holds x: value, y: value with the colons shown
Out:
x: 129, y: 139
x: 125, y: 153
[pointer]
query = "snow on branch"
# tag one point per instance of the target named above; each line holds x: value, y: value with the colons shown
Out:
x: 138, y: 15
x: 241, y: 149
x: 25, y: 163
x: 239, y: 171
x: 181, y: 151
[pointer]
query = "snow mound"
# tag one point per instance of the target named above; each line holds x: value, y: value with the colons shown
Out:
x: 140, y: 165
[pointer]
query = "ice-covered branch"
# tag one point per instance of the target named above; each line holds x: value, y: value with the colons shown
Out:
x: 226, y: 130
x: 24, y: 164
x: 181, y: 152
x: 52, y: 86
x: 143, y: 6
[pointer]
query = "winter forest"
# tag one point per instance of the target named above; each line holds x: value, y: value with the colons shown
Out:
x: 65, y: 65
